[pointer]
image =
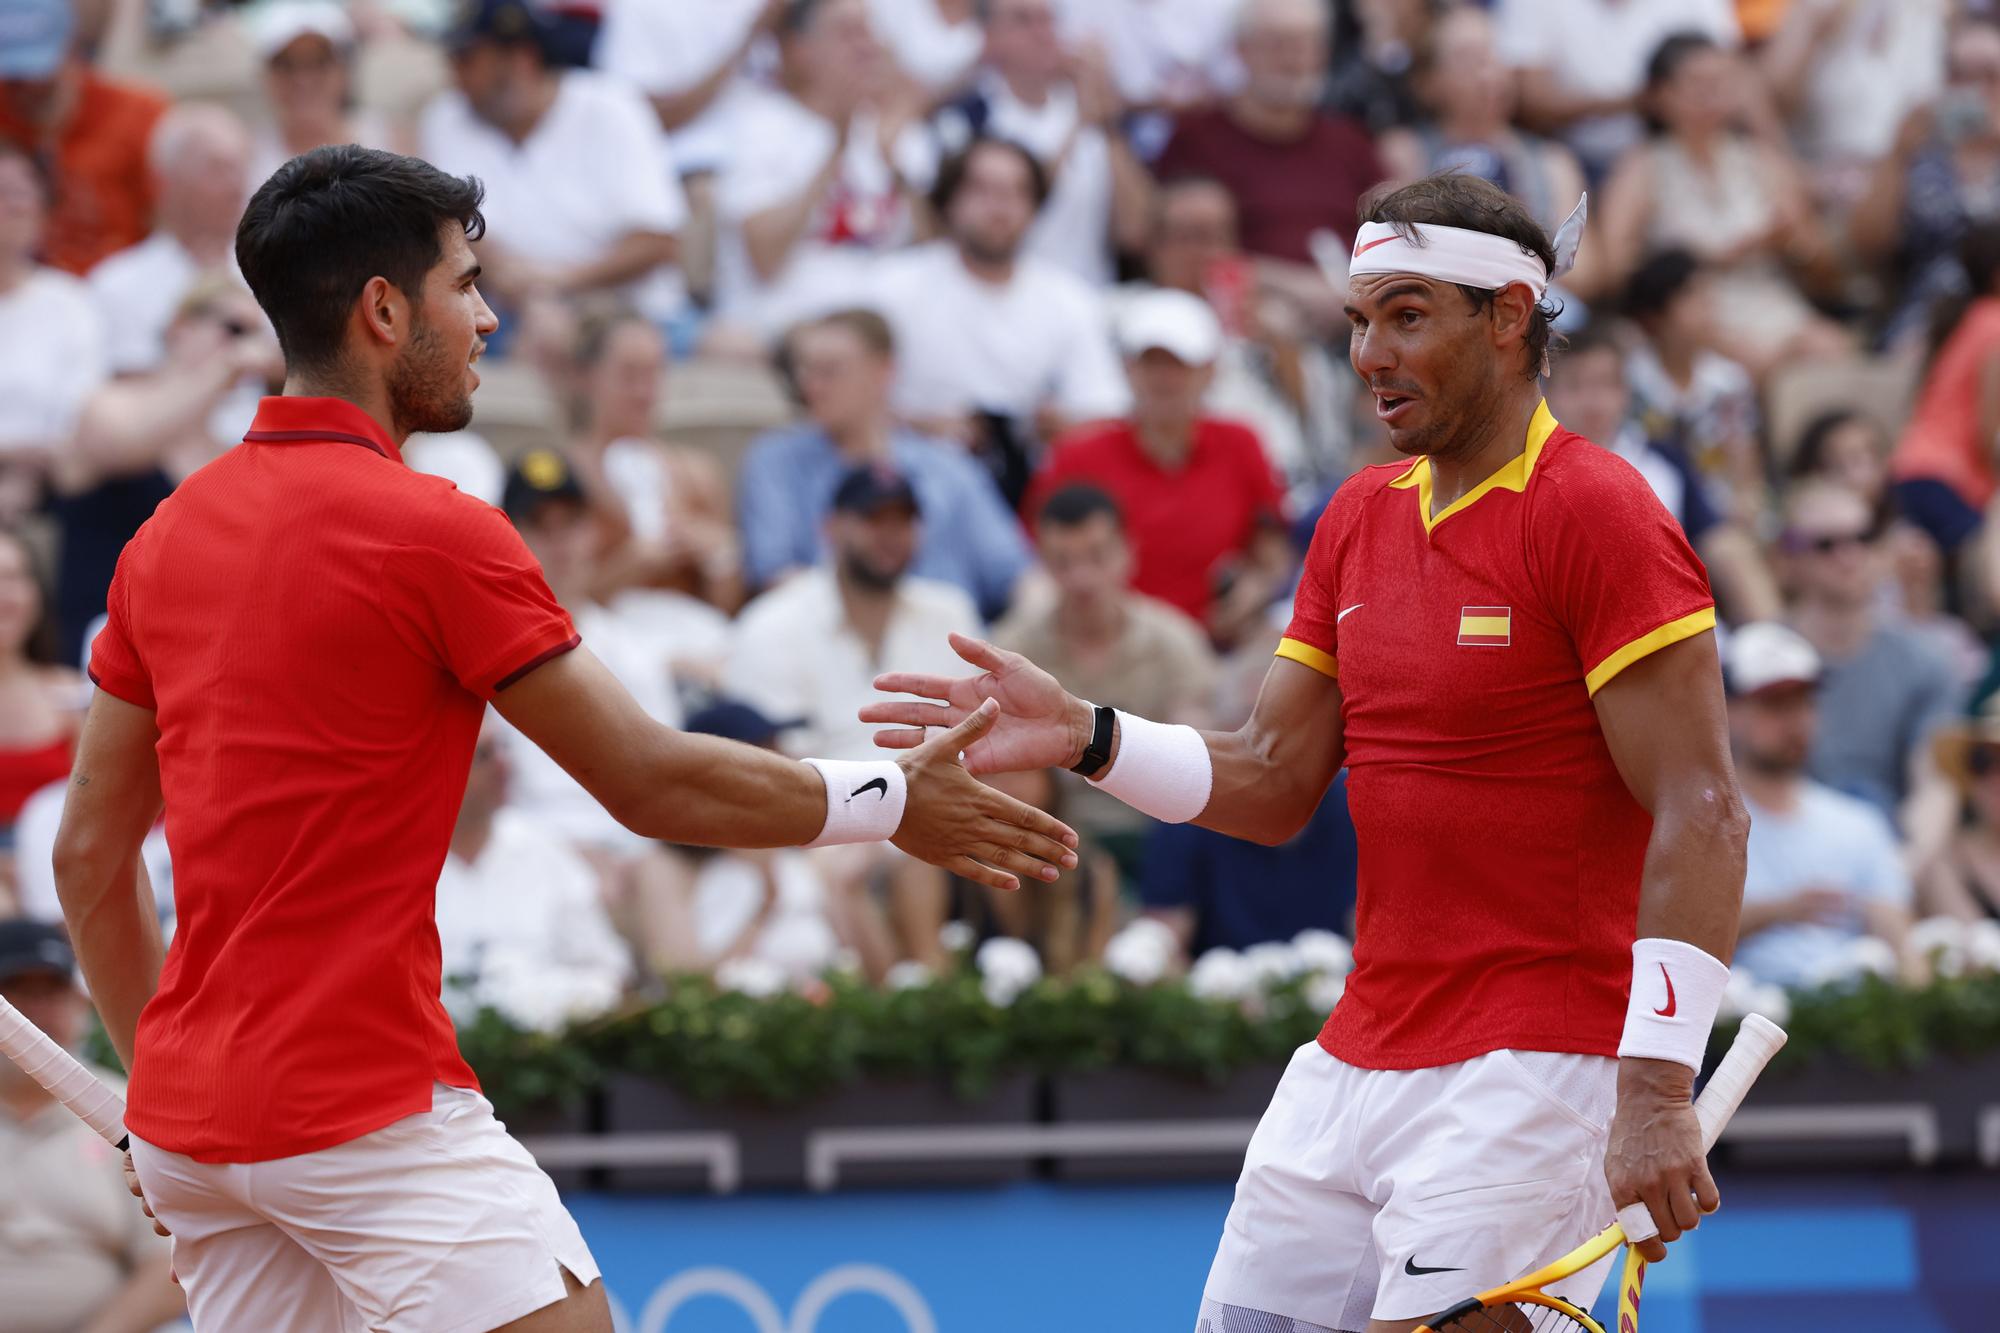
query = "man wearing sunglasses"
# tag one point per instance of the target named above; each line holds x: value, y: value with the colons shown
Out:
x: 1886, y: 686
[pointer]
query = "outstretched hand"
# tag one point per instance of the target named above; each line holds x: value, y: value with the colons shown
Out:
x: 1040, y: 724
x: 953, y: 820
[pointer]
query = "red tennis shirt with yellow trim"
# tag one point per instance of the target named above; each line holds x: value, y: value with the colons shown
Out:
x: 317, y: 630
x: 1500, y: 852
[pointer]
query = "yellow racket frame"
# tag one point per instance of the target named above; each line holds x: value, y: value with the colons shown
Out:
x: 1756, y: 1041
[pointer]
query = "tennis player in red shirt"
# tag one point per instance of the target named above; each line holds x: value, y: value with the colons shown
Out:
x: 302, y: 642
x: 1508, y: 643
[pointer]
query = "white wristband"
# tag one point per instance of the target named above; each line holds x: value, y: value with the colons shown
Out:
x: 1676, y: 989
x: 864, y: 800
x: 1163, y: 771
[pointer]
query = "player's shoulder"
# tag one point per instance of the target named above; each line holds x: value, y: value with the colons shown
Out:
x: 1590, y: 481
x: 1367, y: 483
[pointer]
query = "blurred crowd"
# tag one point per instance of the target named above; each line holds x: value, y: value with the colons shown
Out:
x: 1023, y: 318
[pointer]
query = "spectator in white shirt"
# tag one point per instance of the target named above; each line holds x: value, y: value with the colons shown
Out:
x: 1066, y: 111
x: 1582, y: 63
x: 999, y: 350
x: 515, y: 900
x: 817, y: 180
x: 1823, y: 867
x: 307, y: 48
x: 812, y: 647
x: 199, y: 156
x: 54, y: 338
x: 580, y: 196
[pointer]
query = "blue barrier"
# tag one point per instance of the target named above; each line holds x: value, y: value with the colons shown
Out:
x: 1903, y: 1253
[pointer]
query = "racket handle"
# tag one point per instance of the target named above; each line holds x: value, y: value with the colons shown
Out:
x: 64, y: 1077
x: 1756, y: 1042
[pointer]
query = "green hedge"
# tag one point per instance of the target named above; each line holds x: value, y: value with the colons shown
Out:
x: 788, y: 1048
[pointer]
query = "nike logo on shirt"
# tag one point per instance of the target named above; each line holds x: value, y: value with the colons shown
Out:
x: 1667, y: 1012
x: 880, y: 786
x: 1348, y: 612
x: 1410, y: 1267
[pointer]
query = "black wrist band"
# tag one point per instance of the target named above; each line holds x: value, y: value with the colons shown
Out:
x: 1098, y: 753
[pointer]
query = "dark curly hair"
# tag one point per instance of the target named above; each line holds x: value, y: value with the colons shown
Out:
x: 1453, y: 199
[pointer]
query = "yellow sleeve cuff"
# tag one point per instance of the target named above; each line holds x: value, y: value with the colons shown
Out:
x: 1317, y: 658
x: 1670, y: 633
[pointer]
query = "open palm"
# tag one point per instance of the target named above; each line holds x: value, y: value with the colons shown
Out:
x: 1040, y: 724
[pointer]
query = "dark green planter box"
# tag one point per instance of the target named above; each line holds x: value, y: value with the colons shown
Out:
x: 772, y: 1139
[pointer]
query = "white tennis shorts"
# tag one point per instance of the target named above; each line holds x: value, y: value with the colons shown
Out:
x: 1394, y: 1193
x: 439, y: 1223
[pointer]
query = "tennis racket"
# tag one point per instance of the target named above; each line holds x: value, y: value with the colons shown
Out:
x: 66, y: 1079
x: 1522, y: 1306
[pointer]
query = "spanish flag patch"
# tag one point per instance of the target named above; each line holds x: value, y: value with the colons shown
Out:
x: 1485, y: 626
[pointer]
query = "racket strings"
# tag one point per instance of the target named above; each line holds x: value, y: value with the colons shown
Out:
x: 1516, y: 1319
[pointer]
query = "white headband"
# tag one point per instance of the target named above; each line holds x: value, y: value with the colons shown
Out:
x: 1456, y: 254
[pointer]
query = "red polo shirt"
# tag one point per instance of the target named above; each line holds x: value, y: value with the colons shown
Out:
x: 1500, y: 850
x: 1186, y: 523
x: 317, y: 629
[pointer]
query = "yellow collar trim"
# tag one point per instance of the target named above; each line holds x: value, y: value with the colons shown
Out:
x: 1512, y: 475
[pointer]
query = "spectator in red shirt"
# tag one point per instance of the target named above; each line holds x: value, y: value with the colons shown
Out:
x: 1294, y: 169
x: 92, y: 131
x: 1201, y: 500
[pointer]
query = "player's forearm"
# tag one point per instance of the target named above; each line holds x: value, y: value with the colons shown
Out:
x: 1692, y: 888
x: 703, y: 792
x: 107, y: 901
x: 1266, y: 778
x: 146, y: 1301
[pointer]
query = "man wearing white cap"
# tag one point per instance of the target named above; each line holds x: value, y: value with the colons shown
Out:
x: 1508, y: 643
x: 1201, y: 500
x: 308, y: 48
x: 1824, y: 868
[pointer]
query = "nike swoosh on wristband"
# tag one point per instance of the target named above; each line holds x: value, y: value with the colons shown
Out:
x: 1667, y: 1012
x: 880, y: 786
x: 1410, y: 1267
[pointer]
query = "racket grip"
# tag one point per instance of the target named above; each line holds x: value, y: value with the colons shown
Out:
x: 1757, y: 1040
x: 62, y: 1075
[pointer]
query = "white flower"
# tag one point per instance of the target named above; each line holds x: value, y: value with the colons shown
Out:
x: 955, y: 937
x: 1325, y: 989
x: 759, y: 978
x: 1325, y: 951
x: 1982, y: 946
x: 907, y: 975
x: 1272, y: 962
x: 1221, y: 974
x: 1142, y: 952
x: 1006, y: 968
x: 1941, y: 943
